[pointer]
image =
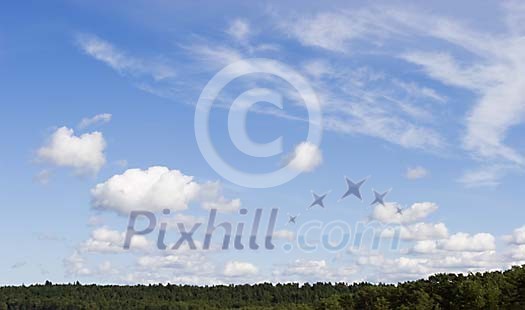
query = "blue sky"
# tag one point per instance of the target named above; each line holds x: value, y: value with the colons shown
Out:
x: 99, y: 106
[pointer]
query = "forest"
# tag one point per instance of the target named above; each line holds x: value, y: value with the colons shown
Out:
x: 490, y: 290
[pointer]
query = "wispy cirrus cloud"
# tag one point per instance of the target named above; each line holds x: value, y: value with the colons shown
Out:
x: 489, y: 65
x: 121, y: 61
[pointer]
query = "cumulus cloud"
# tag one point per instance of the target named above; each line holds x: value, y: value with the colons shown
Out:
x: 470, y: 243
x: 84, y: 153
x: 419, y: 231
x: 97, y: 119
x: 306, y: 157
x: 414, y: 173
x: 306, y: 268
x: 239, y: 269
x: 303, y: 270
x: 186, y: 262
x: 517, y: 237
x: 155, y: 189
x: 425, y: 247
x: 389, y: 212
x: 517, y: 253
x: 76, y: 265
x: 105, y: 240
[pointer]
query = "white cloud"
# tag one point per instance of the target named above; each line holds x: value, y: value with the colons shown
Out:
x: 414, y: 90
x: 471, y: 243
x: 389, y: 212
x: 303, y: 270
x: 517, y: 253
x: 485, y: 176
x: 239, y: 269
x: 187, y: 263
x: 302, y: 267
x: 222, y: 204
x: 214, y: 56
x: 239, y: 29
x: 425, y: 247
x: 104, y: 240
x: 318, y: 68
x: 120, y: 61
x: 97, y: 119
x: 76, y: 265
x: 155, y: 189
x: 489, y: 65
x: 419, y: 231
x: 211, y: 196
x: 517, y: 237
x: 414, y: 173
x: 475, y: 261
x: 492, y: 72
x: 306, y: 157
x: 332, y: 31
x: 83, y: 153
x: 364, y: 101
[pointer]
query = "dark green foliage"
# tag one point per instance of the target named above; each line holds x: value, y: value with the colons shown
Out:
x: 491, y: 290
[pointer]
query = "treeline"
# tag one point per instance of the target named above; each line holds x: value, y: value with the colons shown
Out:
x: 491, y: 290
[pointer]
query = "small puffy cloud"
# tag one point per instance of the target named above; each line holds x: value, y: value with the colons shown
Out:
x: 239, y: 29
x: 186, y: 262
x: 419, y: 231
x: 389, y: 213
x: 97, y: 119
x: 85, y: 153
x: 306, y: 157
x: 463, y: 242
x: 104, y: 240
x: 414, y: 173
x: 517, y: 236
x: 239, y: 269
x: 154, y: 189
